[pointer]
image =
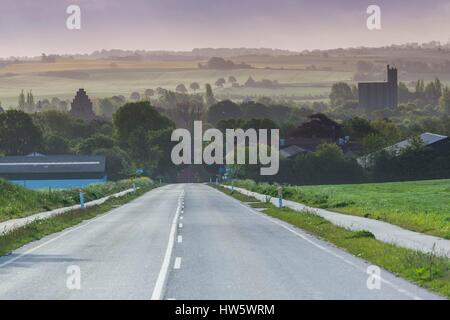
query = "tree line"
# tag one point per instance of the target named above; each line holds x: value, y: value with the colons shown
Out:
x: 135, y: 133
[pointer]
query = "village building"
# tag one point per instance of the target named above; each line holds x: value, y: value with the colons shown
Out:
x: 438, y: 143
x: 38, y: 171
x: 379, y: 95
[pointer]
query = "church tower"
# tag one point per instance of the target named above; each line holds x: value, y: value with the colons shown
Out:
x: 392, y: 87
x: 82, y: 106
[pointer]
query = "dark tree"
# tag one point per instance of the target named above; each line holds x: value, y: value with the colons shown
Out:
x: 118, y: 162
x: 194, y: 86
x: 138, y: 116
x: 319, y: 126
x: 220, y: 82
x: 232, y: 79
x: 18, y: 134
x: 56, y: 145
x: 160, y: 91
x: 181, y: 88
x: 340, y: 93
x: 261, y: 124
x: 254, y: 110
x: 149, y: 93
x: 224, y: 110
x: 97, y: 141
x: 209, y: 96
x: 359, y: 128
x: 135, y: 96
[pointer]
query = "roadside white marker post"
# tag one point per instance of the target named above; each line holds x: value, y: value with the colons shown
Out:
x: 81, y: 200
x: 280, y: 197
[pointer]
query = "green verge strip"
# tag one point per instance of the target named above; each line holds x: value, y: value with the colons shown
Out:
x: 426, y: 270
x: 39, y: 229
x: 421, y: 206
x: 18, y: 202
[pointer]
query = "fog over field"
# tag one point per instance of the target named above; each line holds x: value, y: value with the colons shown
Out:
x: 306, y: 76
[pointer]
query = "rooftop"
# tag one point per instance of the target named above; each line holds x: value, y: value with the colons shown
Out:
x: 52, y: 164
x: 292, y: 151
x: 427, y: 138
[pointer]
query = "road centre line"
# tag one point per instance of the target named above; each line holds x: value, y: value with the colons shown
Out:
x: 162, y: 277
x: 177, y: 264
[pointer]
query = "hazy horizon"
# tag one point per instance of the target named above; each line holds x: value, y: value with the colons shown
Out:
x: 29, y: 28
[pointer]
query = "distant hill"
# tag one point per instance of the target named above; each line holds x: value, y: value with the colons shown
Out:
x: 206, y: 53
x: 235, y: 52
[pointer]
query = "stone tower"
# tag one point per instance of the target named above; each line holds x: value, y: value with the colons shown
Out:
x: 380, y: 95
x: 393, y: 87
x: 82, y: 106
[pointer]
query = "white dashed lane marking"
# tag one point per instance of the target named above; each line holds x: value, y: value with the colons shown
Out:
x: 177, y: 264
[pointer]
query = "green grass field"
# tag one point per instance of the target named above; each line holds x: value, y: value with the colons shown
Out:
x: 17, y: 202
x: 422, y: 206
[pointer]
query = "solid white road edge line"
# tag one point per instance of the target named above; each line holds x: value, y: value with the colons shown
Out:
x: 162, y: 277
x: 281, y: 224
x: 66, y: 233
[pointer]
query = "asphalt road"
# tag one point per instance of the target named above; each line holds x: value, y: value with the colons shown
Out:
x: 191, y: 242
x: 119, y: 254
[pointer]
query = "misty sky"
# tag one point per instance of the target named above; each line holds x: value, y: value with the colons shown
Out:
x: 31, y: 27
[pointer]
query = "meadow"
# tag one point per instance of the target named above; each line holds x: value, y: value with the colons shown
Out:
x: 106, y: 78
x: 62, y: 80
x: 422, y: 206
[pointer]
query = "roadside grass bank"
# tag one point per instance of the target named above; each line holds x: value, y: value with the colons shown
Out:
x: 19, y: 202
x: 421, y: 206
x: 426, y: 270
x: 41, y: 228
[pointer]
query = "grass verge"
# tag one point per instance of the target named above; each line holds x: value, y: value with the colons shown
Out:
x: 18, y: 202
x: 421, y: 206
x: 39, y: 229
x: 427, y: 270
